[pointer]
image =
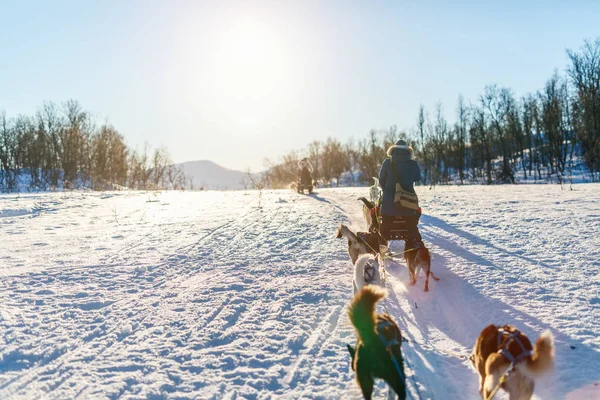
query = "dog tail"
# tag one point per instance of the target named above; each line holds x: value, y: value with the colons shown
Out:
x: 363, y: 312
x: 542, y: 359
x: 369, y: 205
x: 375, y: 181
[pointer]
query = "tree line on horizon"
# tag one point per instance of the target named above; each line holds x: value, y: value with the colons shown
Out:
x: 63, y: 146
x: 541, y: 136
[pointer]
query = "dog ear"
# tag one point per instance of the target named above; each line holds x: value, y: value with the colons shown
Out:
x: 351, y: 350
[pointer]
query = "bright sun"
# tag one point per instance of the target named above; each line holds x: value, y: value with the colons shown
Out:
x: 252, y: 71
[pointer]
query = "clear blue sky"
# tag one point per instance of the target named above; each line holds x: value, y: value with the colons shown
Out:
x: 238, y: 81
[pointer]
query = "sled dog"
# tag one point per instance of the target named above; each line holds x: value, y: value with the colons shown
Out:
x: 370, y: 214
x: 375, y: 191
x: 377, y: 353
x: 361, y: 242
x: 495, y: 349
x: 417, y: 260
x: 367, y: 270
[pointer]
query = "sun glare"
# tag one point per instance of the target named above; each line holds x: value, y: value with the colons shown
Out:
x: 252, y: 71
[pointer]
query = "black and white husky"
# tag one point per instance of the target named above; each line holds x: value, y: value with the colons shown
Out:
x: 368, y: 270
x: 375, y: 191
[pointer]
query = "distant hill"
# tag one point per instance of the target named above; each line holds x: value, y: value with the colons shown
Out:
x: 211, y: 175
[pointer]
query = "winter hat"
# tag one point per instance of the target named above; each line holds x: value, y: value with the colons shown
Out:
x: 400, y: 144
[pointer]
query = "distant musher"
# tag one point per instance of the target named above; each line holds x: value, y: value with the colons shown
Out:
x: 305, y: 170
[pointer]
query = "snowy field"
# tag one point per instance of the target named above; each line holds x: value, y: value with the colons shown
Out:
x: 206, y: 295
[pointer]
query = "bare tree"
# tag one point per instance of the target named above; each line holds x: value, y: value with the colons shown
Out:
x: 176, y: 177
x: 351, y: 159
x: 462, y: 112
x: 584, y: 72
x: 314, y: 155
x: 553, y: 117
x: 8, y: 156
x: 160, y: 161
x: 422, y: 152
x: 529, y: 105
x: 496, y: 102
x: 109, y: 159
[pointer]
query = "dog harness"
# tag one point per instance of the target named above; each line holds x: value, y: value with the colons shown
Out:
x: 362, y: 236
x: 381, y: 325
x: 369, y: 271
x: 512, y: 337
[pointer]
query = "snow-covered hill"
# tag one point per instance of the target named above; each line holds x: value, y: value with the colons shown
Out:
x: 213, y: 176
x: 206, y: 295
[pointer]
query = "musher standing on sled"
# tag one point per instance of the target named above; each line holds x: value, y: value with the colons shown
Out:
x: 406, y: 173
x: 305, y: 170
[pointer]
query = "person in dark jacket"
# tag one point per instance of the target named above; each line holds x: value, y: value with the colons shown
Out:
x: 407, y: 173
x: 305, y: 170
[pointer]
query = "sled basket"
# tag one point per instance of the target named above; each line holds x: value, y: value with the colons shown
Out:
x: 396, y: 231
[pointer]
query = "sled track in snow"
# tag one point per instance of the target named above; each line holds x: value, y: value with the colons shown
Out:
x: 129, y: 310
x: 308, y: 359
x: 208, y: 296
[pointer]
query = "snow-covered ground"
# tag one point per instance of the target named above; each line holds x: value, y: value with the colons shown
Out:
x: 207, y: 295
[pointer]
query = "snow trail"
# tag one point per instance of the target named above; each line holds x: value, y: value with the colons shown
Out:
x: 206, y: 295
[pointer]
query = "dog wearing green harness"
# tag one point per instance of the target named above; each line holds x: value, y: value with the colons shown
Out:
x: 377, y: 353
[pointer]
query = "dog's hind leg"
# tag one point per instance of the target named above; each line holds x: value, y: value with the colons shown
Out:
x: 427, y: 279
x: 400, y: 390
x: 411, y: 275
x: 352, y: 352
x: 365, y: 380
x: 492, y: 380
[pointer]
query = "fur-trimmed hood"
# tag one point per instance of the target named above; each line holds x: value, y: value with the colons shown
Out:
x: 305, y: 163
x: 400, y: 150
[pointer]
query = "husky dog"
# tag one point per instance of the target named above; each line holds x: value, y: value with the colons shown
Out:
x: 361, y: 242
x: 417, y: 260
x: 367, y: 270
x: 377, y: 353
x: 375, y: 191
x: 497, y: 347
x: 370, y: 212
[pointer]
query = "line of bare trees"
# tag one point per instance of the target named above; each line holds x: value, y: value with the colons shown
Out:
x: 63, y: 146
x: 542, y: 136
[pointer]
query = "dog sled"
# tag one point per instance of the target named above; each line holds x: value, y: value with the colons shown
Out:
x: 393, y: 228
x: 387, y: 229
x: 304, y: 184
